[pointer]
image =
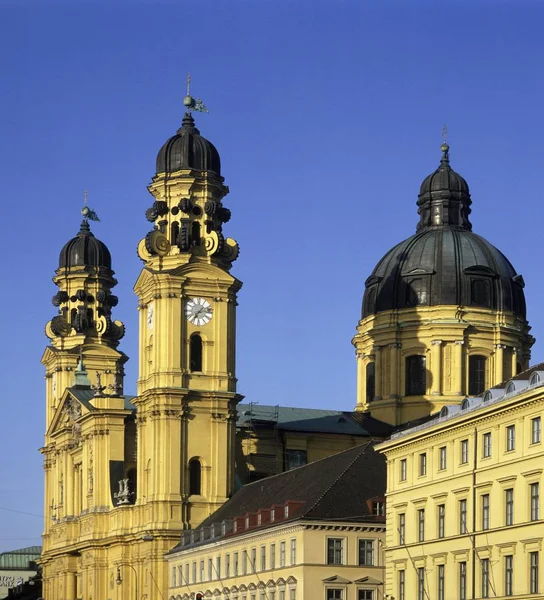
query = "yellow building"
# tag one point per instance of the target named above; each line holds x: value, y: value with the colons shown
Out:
x: 312, y: 532
x: 464, y: 515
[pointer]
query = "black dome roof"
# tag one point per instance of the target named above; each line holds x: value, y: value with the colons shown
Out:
x: 188, y: 150
x: 444, y: 263
x: 85, y: 250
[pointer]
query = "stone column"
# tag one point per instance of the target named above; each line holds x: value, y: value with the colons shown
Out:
x: 394, y: 357
x: 377, y: 350
x: 514, y: 361
x: 436, y: 367
x: 499, y: 363
x: 458, y: 368
x: 361, y: 381
x: 70, y: 585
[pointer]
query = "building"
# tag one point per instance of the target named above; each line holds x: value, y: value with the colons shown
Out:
x: 17, y: 567
x: 313, y: 532
x: 464, y: 493
x: 443, y: 316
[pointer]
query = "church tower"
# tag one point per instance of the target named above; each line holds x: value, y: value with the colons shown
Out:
x: 443, y: 313
x: 187, y: 396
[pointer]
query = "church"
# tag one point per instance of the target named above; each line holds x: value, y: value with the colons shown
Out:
x: 443, y: 318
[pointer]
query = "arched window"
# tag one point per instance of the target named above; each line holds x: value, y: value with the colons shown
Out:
x: 195, y: 477
x: 195, y: 353
x: 416, y: 376
x: 195, y: 234
x: 174, y: 233
x: 535, y: 378
x: 476, y: 375
x: 511, y: 387
x: 370, y: 386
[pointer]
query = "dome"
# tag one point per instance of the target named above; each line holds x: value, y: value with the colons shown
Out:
x: 188, y: 150
x: 85, y: 250
x: 444, y: 263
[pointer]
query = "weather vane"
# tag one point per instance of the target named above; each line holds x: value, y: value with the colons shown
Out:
x: 88, y: 213
x: 190, y: 103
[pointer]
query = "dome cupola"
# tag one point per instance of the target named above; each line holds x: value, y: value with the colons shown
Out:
x: 84, y: 250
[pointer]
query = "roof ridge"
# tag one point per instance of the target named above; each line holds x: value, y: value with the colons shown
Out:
x: 363, y: 448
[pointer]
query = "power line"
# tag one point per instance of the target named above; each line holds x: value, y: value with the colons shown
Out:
x: 20, y: 512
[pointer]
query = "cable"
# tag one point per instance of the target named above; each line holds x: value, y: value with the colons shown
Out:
x: 20, y: 512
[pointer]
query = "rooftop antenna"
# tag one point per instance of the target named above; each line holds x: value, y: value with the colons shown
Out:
x: 190, y: 103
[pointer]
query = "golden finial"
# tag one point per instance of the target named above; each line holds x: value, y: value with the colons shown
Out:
x: 444, y: 147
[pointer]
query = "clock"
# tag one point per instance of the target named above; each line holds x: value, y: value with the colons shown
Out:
x: 150, y: 316
x: 198, y: 311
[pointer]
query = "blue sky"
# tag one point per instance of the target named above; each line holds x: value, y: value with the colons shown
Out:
x: 327, y: 116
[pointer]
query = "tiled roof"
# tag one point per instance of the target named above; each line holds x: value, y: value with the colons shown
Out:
x: 336, y: 488
x: 310, y: 420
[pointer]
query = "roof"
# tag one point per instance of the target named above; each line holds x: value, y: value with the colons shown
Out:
x: 85, y: 395
x: 316, y: 420
x: 336, y: 488
x: 19, y: 559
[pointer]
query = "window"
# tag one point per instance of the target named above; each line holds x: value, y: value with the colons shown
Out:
x: 462, y: 581
x: 195, y: 477
x: 282, y: 554
x: 378, y: 508
x: 402, y: 529
x: 365, y: 595
x: 535, y: 501
x: 366, y: 553
x: 485, y: 511
x: 480, y: 292
x: 441, y: 583
x: 253, y: 560
x: 334, y: 594
x: 293, y: 552
x: 272, y: 556
x: 421, y: 583
x: 202, y: 572
x: 173, y: 577
x: 227, y: 565
x: 510, y: 438
x: 187, y: 573
x: 487, y: 445
x: 443, y: 455
x: 533, y: 572
x: 509, y: 506
x: 180, y: 575
x: 464, y: 452
x: 403, y: 469
x: 295, y: 458
x: 218, y: 567
x: 235, y: 564
x: 370, y: 385
x: 195, y: 353
x: 194, y: 572
x: 535, y: 430
x: 462, y: 516
x: 334, y: 551
x: 210, y: 569
x: 421, y: 525
x: 484, y: 562
x: 402, y: 585
x: 416, y: 377
x: 441, y: 520
x: 476, y: 375
x: 244, y: 562
x: 509, y: 575
x: 423, y: 464
x: 263, y: 558
x: 292, y: 593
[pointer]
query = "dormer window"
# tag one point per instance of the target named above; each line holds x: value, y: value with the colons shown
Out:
x: 273, y: 515
x: 378, y: 508
x: 511, y: 387
x: 535, y: 378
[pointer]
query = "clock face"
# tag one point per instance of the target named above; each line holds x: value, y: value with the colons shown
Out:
x: 198, y: 311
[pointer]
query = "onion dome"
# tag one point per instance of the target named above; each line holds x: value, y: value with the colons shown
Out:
x: 85, y: 250
x: 444, y: 263
x: 188, y: 150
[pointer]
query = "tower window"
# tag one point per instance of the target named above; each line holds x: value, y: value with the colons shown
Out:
x: 476, y: 375
x: 195, y: 234
x: 195, y: 353
x: 480, y: 292
x: 416, y: 292
x: 174, y: 233
x: 416, y: 376
x: 370, y: 379
x: 195, y: 477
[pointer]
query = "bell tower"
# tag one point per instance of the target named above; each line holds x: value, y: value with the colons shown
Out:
x: 187, y: 396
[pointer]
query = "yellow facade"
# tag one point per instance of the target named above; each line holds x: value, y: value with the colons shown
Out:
x: 447, y: 336
x: 464, y: 508
x: 282, y: 562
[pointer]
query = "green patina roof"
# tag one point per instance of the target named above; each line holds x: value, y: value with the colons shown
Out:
x: 85, y: 395
x: 308, y: 419
x: 19, y: 559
